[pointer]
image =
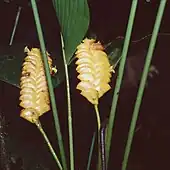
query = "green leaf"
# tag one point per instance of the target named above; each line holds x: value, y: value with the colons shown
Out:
x: 73, y: 16
x: 11, y: 60
x: 114, y: 51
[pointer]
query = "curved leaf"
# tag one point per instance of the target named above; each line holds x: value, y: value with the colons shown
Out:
x: 73, y: 16
x: 11, y: 60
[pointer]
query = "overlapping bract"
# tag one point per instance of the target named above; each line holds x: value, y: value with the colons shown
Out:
x: 94, y: 70
x: 34, y: 90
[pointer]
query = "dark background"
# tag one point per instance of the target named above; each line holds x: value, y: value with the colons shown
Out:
x: 109, y: 19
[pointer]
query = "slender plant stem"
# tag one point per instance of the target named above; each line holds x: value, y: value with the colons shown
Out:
x: 50, y: 85
x: 15, y: 25
x: 98, y: 117
x: 69, y: 108
x: 39, y: 126
x: 143, y: 82
x: 91, y: 151
x: 119, y: 78
x: 98, y: 133
x: 145, y: 37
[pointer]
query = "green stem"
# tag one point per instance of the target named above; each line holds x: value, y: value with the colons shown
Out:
x: 69, y: 108
x: 98, y: 133
x: 119, y: 78
x: 39, y: 126
x: 91, y: 151
x: 49, y: 81
x: 143, y: 82
x: 15, y: 25
x: 97, y: 116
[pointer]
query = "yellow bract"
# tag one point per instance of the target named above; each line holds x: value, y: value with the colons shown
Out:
x: 94, y: 70
x: 34, y: 90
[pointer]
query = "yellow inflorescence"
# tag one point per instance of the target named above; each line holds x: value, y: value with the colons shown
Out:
x: 34, y: 90
x: 94, y: 70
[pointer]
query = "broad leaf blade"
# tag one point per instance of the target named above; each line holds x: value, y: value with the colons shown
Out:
x: 11, y: 60
x: 73, y: 16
